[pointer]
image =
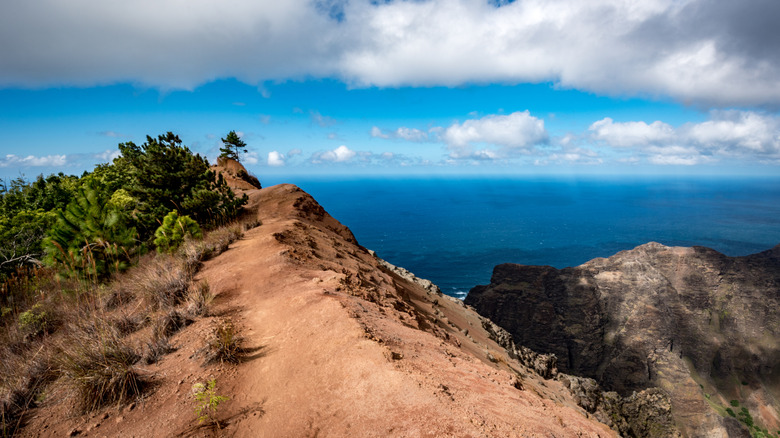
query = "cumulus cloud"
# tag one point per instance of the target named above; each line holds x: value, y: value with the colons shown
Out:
x: 708, y: 52
x: 744, y: 135
x: 631, y: 134
x: 338, y: 155
x: 33, y: 161
x: 108, y: 156
x: 275, y: 159
x: 518, y: 131
x: 402, y: 133
x: 250, y: 157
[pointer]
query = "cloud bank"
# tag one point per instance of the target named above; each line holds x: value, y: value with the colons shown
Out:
x: 33, y: 161
x: 705, y: 52
x: 727, y: 136
x: 740, y: 135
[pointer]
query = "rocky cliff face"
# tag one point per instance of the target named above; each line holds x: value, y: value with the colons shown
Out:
x: 700, y: 326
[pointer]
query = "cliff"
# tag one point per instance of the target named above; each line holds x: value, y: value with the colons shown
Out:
x: 335, y: 342
x: 700, y: 326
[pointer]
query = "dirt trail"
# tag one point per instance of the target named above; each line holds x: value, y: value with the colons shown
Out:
x: 336, y: 345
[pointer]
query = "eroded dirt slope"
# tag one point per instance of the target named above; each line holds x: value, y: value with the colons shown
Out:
x: 336, y: 343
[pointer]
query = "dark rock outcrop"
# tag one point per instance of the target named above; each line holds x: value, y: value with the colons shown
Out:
x: 699, y: 325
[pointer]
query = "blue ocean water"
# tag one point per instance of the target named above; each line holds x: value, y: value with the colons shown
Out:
x: 453, y: 231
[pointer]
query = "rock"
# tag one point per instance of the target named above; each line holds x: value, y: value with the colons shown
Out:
x: 653, y: 317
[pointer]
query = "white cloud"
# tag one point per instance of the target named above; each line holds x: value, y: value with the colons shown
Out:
x: 743, y: 135
x: 294, y: 152
x: 631, y: 134
x: 737, y: 132
x: 250, y: 157
x: 705, y: 52
x: 33, y: 161
x: 518, y: 131
x: 402, y: 133
x: 338, y: 155
x: 275, y: 159
x: 108, y: 156
x: 378, y: 133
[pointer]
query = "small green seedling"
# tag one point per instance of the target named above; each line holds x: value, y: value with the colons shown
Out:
x: 206, y: 400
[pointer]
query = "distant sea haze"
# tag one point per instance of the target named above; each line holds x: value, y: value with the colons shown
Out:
x: 453, y: 231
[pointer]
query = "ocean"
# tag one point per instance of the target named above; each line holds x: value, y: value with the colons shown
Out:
x: 453, y: 231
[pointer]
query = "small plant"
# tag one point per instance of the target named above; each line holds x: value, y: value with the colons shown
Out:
x: 735, y: 403
x: 34, y: 322
x: 207, y: 401
x: 223, y: 344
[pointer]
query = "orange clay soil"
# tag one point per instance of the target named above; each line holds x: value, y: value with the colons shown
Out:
x: 335, y: 345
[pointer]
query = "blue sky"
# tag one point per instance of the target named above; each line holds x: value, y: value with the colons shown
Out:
x: 430, y: 87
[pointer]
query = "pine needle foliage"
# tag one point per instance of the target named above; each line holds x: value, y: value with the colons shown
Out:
x: 170, y: 235
x: 91, y: 236
x: 166, y: 175
x: 232, y: 146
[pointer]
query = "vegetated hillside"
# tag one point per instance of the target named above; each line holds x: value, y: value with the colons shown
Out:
x: 335, y: 342
x: 701, y: 326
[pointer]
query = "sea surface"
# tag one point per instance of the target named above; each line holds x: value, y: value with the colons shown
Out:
x: 453, y: 231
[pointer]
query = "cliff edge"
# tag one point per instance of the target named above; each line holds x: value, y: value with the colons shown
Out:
x: 698, y: 325
x: 336, y: 342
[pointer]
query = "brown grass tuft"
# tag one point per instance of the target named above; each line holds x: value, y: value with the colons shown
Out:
x: 162, y: 282
x: 98, y: 369
x: 224, y: 344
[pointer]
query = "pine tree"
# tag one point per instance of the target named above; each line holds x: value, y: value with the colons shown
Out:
x: 91, y: 237
x: 232, y: 146
x: 167, y: 176
x: 173, y: 230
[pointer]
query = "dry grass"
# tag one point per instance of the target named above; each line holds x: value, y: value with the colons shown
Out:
x: 95, y: 363
x: 98, y: 367
x: 224, y: 344
x: 156, y: 348
x: 162, y: 282
x: 23, y: 378
x: 193, y: 252
x: 198, y: 299
x: 170, y: 323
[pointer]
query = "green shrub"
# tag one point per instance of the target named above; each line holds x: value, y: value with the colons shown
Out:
x: 206, y: 400
x: 170, y: 235
x: 35, y: 321
x: 735, y: 403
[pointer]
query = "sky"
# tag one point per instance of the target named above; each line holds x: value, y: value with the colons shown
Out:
x: 392, y: 87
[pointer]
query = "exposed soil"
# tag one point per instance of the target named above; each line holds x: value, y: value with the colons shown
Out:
x: 334, y: 344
